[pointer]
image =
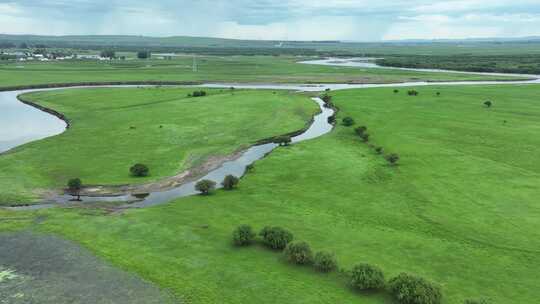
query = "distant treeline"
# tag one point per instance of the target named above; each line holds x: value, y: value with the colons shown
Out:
x: 521, y: 64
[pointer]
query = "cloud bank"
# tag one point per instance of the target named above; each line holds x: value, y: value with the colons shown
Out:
x: 358, y: 20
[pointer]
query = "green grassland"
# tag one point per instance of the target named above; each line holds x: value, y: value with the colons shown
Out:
x: 461, y: 209
x: 258, y: 69
x: 171, y: 132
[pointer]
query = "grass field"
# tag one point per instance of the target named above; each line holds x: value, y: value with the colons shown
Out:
x: 258, y: 69
x: 460, y: 209
x: 101, y: 145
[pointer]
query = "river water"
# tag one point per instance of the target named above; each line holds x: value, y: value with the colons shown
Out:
x: 20, y: 124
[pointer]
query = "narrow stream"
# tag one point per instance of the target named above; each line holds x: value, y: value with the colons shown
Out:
x: 20, y: 123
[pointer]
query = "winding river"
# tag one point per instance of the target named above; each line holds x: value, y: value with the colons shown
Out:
x: 20, y: 124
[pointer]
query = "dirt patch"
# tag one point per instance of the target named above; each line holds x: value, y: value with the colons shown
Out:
x: 46, y: 269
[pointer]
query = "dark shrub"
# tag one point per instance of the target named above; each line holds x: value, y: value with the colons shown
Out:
x: 276, y: 237
x: 488, y: 104
x: 392, y: 158
x: 409, y: 289
x: 325, y: 261
x: 243, y: 235
x: 438, y: 93
x: 327, y: 90
x: 367, y: 277
x: 331, y: 120
x: 365, y: 137
x: 74, y: 187
x: 298, y: 253
x: 396, y: 91
x: 379, y: 150
x: 198, y: 94
x: 283, y: 140
x: 229, y: 182
x: 205, y: 186
x: 360, y: 130
x: 326, y: 98
x: 348, y: 121
x: 477, y: 301
x: 139, y: 170
x: 413, y: 93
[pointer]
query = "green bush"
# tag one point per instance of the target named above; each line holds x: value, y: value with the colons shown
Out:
x: 230, y: 182
x: 205, y: 186
x: 477, y: 301
x: 139, y: 170
x: 360, y: 130
x: 348, y: 121
x: 392, y: 158
x: 379, y: 150
x: 74, y: 187
x: 409, y: 289
x: 243, y: 235
x: 367, y: 277
x: 298, y: 253
x: 488, y: 104
x: 325, y: 261
x: 276, y: 237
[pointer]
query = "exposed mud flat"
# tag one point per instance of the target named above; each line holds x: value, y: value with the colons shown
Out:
x: 46, y: 269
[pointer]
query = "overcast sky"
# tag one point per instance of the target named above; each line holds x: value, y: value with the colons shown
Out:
x: 359, y: 20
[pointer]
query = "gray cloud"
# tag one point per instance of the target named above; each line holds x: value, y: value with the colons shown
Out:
x: 289, y: 19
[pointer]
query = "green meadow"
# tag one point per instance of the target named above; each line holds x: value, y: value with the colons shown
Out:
x: 115, y: 128
x: 258, y: 69
x: 461, y: 208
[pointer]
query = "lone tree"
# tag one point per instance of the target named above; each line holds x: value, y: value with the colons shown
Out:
x: 205, y: 186
x: 283, y: 140
x: 108, y: 54
x: 413, y: 93
x: 348, y: 121
x: 488, y: 104
x: 392, y: 158
x: 396, y: 91
x: 144, y: 54
x: 74, y: 187
x: 230, y: 182
x: 139, y: 170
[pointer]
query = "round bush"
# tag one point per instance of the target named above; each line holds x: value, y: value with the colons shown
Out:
x: 139, y: 170
x: 205, y: 186
x: 243, y: 235
x: 325, y: 261
x: 298, y: 253
x: 230, y: 182
x: 348, y: 121
x: 409, y: 289
x: 276, y: 237
x: 367, y: 277
x: 392, y: 158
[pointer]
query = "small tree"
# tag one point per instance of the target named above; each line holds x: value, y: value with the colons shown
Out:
x: 360, y: 130
x: 326, y: 98
x: 396, y: 91
x: 392, y: 158
x: 413, y: 93
x: 325, y: 261
x: 367, y: 277
x: 298, y: 253
x: 243, y: 235
x: 365, y: 137
x: 139, y: 170
x: 108, y: 54
x: 348, y: 121
x: 379, y: 150
x: 488, y: 104
x: 438, y: 94
x: 74, y: 187
x: 230, y: 182
x: 205, y: 186
x: 283, y: 140
x: 408, y: 289
x: 276, y: 237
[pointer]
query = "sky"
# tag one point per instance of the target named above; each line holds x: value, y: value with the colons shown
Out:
x: 354, y: 20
